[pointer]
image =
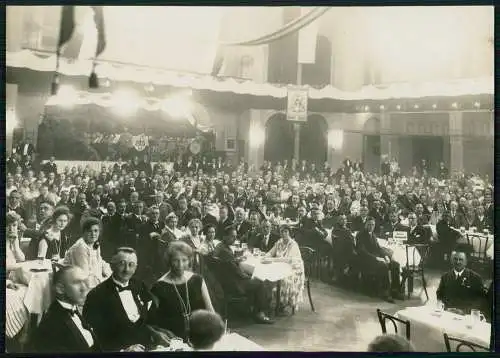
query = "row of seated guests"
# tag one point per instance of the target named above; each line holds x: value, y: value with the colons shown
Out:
x: 176, y: 293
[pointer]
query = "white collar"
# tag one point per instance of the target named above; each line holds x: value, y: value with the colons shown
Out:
x: 67, y: 305
x: 119, y: 283
x: 459, y: 274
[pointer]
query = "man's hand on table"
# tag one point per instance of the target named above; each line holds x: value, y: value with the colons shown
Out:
x: 134, y: 348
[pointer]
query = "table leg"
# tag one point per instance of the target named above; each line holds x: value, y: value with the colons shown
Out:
x: 278, y: 298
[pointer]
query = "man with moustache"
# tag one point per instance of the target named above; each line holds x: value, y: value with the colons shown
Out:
x: 117, y: 308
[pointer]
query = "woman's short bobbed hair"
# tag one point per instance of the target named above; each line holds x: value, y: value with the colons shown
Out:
x: 89, y: 222
x: 60, y: 211
x: 178, y: 247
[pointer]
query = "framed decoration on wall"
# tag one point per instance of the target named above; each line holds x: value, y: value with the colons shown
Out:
x: 230, y: 144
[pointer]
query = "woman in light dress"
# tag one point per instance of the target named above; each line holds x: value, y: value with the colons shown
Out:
x: 287, y: 250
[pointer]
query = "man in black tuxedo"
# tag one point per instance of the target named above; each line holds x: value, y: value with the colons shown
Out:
x: 26, y: 148
x: 251, y: 235
x: 62, y: 329
x: 313, y: 234
x: 237, y: 281
x: 375, y: 261
x: 117, y: 308
x: 225, y: 221
x: 265, y: 240
x: 206, y: 218
x: 344, y: 251
x: 461, y: 288
x: 240, y: 223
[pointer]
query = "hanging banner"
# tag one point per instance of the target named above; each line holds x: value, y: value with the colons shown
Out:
x: 140, y: 142
x: 297, y: 103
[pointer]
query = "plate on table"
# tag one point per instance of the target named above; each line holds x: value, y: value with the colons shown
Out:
x: 266, y: 261
x: 39, y: 270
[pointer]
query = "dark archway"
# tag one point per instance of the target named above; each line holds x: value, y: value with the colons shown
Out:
x: 314, y: 140
x: 371, y: 145
x: 279, y: 139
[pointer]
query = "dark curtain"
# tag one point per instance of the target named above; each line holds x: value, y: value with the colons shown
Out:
x: 279, y: 139
x: 313, y: 140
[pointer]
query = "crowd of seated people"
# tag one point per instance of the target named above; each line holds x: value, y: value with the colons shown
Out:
x: 82, y: 216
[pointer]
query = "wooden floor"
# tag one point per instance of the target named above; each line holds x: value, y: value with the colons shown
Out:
x: 344, y: 320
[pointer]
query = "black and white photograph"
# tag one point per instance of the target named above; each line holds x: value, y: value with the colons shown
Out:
x: 249, y: 178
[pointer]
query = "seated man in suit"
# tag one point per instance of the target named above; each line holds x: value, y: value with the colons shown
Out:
x: 461, y: 288
x: 417, y: 234
x: 238, y: 281
x: 394, y: 224
x: 266, y: 239
x: 117, y: 308
x: 447, y: 235
x: 344, y: 249
x: 62, y: 329
x: 375, y: 261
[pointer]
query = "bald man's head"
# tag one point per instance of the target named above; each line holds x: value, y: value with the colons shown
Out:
x: 71, y: 285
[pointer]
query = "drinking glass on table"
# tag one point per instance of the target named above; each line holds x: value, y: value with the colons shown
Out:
x: 439, y: 307
x: 256, y: 251
x: 477, y: 316
x: 462, y: 230
x: 40, y: 261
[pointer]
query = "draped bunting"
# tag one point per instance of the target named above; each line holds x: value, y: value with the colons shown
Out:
x: 286, y: 30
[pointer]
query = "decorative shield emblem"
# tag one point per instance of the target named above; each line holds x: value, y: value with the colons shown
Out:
x: 140, y: 142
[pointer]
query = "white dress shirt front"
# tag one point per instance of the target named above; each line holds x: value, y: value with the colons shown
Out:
x: 128, y: 303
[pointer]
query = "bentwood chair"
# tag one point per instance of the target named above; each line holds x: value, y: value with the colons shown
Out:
x: 478, y: 258
x: 462, y: 343
x: 309, y: 259
x: 410, y: 270
x: 383, y: 317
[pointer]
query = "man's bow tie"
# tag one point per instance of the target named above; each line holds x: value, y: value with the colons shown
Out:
x: 123, y: 288
x: 72, y: 311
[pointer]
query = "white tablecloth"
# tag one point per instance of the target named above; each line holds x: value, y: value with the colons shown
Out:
x: 38, y: 296
x: 234, y: 342
x: 427, y: 328
x: 275, y: 271
x: 399, y: 253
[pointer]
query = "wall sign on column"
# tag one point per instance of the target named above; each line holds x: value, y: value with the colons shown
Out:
x: 297, y: 103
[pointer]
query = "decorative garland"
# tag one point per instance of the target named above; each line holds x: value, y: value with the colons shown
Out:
x: 455, y: 88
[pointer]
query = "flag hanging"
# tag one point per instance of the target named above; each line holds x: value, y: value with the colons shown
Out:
x: 307, y: 39
x: 297, y: 103
x: 66, y: 29
x: 101, y: 43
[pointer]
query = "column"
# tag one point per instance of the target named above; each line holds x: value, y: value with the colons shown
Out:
x: 386, y: 137
x: 255, y: 151
x: 296, y: 142
x: 11, y: 100
x: 456, y: 142
x: 14, y: 28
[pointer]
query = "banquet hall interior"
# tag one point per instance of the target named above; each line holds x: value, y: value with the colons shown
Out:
x: 180, y: 179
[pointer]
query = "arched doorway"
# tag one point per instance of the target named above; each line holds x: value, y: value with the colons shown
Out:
x: 314, y: 140
x: 279, y: 139
x: 371, y: 145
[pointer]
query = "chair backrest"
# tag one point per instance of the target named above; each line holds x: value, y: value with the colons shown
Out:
x: 383, y: 317
x: 414, y: 251
x: 479, y: 245
x: 462, y: 343
x: 308, y: 257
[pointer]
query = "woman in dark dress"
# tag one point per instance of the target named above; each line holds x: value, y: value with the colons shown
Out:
x: 179, y: 292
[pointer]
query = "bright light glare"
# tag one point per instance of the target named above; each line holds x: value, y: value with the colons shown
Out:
x: 125, y: 102
x: 425, y: 43
x: 336, y: 139
x: 11, y: 121
x: 67, y: 96
x: 177, y: 107
x: 257, y: 136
